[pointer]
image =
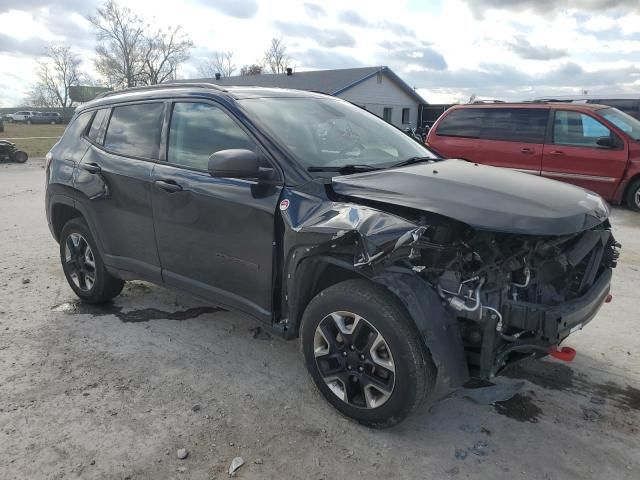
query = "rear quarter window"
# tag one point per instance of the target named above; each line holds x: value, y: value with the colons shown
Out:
x: 515, y: 124
x: 98, y: 125
x: 464, y: 122
x: 134, y: 130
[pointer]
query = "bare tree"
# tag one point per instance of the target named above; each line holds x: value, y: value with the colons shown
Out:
x: 163, y: 54
x: 120, y: 55
x: 58, y: 71
x: 253, y: 69
x: 218, y: 62
x: 276, y: 58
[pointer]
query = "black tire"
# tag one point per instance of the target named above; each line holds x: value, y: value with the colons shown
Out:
x: 633, y: 196
x: 414, y: 371
x: 19, y: 156
x: 105, y: 286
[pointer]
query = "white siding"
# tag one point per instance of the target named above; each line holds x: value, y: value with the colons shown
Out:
x: 376, y: 96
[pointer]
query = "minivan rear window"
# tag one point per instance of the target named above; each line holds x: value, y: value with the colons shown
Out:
x: 506, y: 124
x: 515, y: 124
x: 134, y: 130
x: 464, y: 122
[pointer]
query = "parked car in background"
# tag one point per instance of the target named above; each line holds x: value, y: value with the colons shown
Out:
x: 402, y: 274
x: 592, y: 146
x: 1, y: 124
x: 22, y: 116
x: 629, y: 104
x: 46, y: 117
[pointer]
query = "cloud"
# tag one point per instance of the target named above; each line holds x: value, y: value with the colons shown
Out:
x: 315, y: 58
x: 235, y: 8
x: 60, y: 5
x: 324, y: 37
x: 550, y: 7
x: 32, y: 46
x: 314, y: 10
x: 523, y: 48
x: 354, y: 19
x: 506, y: 82
x: 401, y: 53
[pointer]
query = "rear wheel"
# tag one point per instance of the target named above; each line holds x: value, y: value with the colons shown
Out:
x: 83, y: 266
x: 364, y: 353
x: 52, y: 122
x: 633, y: 196
x: 19, y: 156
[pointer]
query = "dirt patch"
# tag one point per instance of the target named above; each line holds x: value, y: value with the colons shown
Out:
x: 519, y: 407
x: 132, y: 316
x: 558, y: 376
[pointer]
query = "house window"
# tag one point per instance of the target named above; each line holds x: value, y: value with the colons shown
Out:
x: 386, y: 114
x: 406, y: 115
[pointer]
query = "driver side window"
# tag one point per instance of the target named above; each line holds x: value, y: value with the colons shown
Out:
x: 198, y: 130
x: 573, y: 128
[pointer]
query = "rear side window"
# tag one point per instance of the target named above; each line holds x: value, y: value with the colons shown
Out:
x: 197, y: 130
x: 574, y: 128
x: 98, y: 126
x: 464, y: 122
x: 515, y: 124
x: 134, y: 130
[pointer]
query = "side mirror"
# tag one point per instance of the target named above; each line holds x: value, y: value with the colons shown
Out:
x: 234, y: 163
x: 606, y: 142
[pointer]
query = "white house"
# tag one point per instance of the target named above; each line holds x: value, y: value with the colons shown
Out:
x: 378, y: 89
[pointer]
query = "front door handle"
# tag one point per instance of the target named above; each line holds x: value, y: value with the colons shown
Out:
x: 556, y: 153
x: 91, y: 167
x: 168, y: 186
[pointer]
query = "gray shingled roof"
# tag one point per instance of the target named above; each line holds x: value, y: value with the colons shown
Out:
x: 332, y: 82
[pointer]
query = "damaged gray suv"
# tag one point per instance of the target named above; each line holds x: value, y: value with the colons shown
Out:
x: 404, y: 276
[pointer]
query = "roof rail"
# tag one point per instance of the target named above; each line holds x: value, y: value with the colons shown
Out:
x: 161, y: 86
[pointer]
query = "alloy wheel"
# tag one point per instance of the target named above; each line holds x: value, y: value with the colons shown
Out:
x: 81, y: 263
x: 636, y: 198
x: 354, y: 360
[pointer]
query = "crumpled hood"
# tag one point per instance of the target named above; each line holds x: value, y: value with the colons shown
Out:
x: 484, y: 197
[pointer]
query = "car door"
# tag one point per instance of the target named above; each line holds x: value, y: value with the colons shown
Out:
x: 115, y: 178
x: 574, y: 156
x: 215, y: 235
x: 512, y: 138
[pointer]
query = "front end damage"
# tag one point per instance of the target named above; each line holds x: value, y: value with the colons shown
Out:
x: 481, y: 300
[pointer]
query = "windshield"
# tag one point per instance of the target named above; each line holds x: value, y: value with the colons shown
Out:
x: 326, y: 132
x: 624, y: 122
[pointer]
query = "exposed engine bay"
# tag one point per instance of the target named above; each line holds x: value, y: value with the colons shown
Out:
x: 508, y: 291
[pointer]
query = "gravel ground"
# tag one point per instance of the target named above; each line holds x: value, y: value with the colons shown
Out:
x: 116, y: 391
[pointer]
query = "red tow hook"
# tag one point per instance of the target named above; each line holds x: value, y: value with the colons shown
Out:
x: 566, y: 354
x: 608, y: 298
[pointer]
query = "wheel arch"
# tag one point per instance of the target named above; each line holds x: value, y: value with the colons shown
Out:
x: 625, y: 193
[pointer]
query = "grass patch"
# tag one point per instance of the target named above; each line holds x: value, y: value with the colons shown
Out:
x: 20, y: 133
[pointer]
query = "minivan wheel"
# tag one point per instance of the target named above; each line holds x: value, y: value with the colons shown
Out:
x: 365, y: 354
x: 83, y: 266
x: 633, y: 196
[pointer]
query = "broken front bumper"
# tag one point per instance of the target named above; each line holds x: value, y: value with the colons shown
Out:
x: 553, y: 323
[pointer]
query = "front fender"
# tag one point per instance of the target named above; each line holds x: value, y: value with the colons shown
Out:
x: 439, y: 328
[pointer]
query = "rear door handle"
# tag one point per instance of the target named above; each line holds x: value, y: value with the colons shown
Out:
x: 556, y: 153
x: 91, y: 167
x: 526, y: 150
x: 168, y: 186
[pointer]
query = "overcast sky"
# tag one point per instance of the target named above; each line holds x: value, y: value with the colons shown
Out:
x: 448, y: 49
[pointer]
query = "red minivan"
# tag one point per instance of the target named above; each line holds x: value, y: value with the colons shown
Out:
x: 592, y: 146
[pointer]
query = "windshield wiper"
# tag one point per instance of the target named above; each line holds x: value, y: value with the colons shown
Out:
x: 411, y: 161
x: 350, y: 168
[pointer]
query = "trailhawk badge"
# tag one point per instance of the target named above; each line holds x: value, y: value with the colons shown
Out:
x: 284, y: 204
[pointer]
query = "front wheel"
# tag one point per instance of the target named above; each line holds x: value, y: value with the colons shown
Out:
x: 83, y: 265
x: 633, y: 196
x: 365, y: 354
